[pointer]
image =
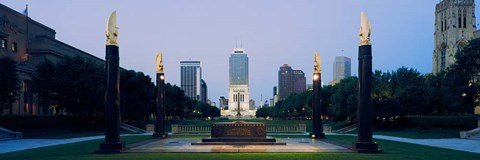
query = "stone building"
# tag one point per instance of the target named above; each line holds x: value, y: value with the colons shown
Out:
x: 30, y: 43
x: 454, y: 27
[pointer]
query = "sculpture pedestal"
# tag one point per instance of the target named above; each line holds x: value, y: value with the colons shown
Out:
x: 368, y: 147
x: 239, y: 133
x: 160, y: 135
x: 106, y: 148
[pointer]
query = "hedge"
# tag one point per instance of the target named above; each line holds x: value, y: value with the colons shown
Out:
x: 33, y: 122
x: 456, y: 122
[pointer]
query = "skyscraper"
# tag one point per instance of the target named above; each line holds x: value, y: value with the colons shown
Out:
x: 223, y: 103
x: 290, y: 81
x: 203, y: 92
x: 275, y: 95
x: 190, y: 79
x: 238, y: 88
x: 454, y: 27
x: 341, y: 68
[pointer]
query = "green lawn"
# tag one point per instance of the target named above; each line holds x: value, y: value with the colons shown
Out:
x: 393, y: 151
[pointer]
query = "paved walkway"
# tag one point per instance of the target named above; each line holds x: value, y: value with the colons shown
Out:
x: 185, y: 145
x: 449, y: 143
x: 24, y: 144
x: 468, y: 145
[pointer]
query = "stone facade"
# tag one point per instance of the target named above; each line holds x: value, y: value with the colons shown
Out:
x: 30, y: 43
x: 454, y: 27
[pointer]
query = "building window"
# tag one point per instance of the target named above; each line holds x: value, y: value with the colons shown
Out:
x: 464, y: 18
x: 14, y: 47
x: 4, y: 43
x: 442, y: 59
x: 459, y: 22
x: 442, y: 25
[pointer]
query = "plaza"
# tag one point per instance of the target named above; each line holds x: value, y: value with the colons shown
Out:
x: 150, y: 95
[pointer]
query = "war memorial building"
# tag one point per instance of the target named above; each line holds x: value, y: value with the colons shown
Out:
x: 29, y: 43
x: 238, y: 94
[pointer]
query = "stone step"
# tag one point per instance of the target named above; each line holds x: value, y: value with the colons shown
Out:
x: 131, y: 128
x: 6, y: 134
x: 4, y: 137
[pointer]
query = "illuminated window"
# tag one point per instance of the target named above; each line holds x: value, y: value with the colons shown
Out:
x: 4, y: 43
x: 14, y: 47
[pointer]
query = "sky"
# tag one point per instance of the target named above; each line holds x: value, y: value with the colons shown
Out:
x: 273, y: 32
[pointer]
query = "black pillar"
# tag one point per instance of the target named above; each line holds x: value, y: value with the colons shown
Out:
x: 112, y: 142
x: 160, y: 118
x: 317, y: 107
x: 364, y: 143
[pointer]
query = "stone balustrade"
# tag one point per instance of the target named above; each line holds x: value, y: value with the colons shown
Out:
x: 193, y: 129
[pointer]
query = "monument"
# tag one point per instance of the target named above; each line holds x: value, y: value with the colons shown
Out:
x: 364, y: 142
x: 112, y: 142
x: 160, y: 99
x: 317, y: 100
x: 239, y: 133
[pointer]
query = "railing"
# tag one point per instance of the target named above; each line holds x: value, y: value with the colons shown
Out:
x: 190, y: 129
x: 298, y: 128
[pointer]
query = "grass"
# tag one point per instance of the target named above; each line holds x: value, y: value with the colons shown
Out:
x: 393, y: 151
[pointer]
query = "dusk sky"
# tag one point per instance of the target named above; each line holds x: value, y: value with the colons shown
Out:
x: 273, y: 32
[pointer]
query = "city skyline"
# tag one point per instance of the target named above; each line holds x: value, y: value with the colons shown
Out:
x: 273, y: 32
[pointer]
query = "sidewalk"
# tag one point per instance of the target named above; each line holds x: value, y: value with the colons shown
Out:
x: 459, y: 144
x: 24, y: 144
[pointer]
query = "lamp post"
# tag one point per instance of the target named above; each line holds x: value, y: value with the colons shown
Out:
x: 317, y: 100
x: 112, y: 142
x: 364, y: 142
x: 160, y: 99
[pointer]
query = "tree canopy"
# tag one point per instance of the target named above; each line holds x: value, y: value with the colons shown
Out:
x: 9, y: 88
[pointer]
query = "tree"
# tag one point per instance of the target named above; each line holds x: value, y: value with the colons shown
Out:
x: 74, y: 84
x: 137, y: 95
x: 407, y: 89
x: 344, y: 100
x: 174, y: 102
x: 466, y: 71
x: 45, y: 84
x: 8, y: 84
